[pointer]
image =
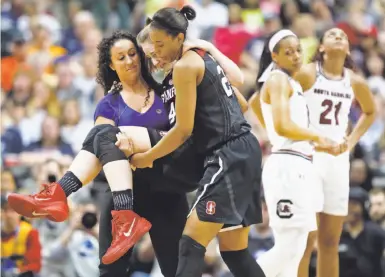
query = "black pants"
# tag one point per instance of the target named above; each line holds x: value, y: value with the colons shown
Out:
x: 165, y: 210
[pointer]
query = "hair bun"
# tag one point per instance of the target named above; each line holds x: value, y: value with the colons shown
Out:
x: 188, y: 12
x: 148, y: 20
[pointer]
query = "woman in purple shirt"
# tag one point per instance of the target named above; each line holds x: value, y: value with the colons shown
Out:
x: 133, y: 103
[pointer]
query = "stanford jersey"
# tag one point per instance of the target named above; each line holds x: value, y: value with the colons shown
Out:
x: 218, y: 116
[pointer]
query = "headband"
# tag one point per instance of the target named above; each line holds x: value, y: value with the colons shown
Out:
x: 274, y: 40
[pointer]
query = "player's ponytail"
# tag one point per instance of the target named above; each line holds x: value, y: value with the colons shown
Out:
x: 173, y: 21
x: 188, y: 12
x: 264, y: 62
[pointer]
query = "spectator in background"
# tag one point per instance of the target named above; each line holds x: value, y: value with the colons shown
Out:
x: 251, y: 54
x: 377, y: 206
x: 359, y: 176
x: 143, y: 258
x: 20, y: 245
x: 14, y: 63
x: 289, y: 11
x: 11, y: 140
x: 374, y: 66
x: 66, y: 87
x: 12, y: 115
x: 43, y: 42
x: 362, y: 242
x: 305, y: 28
x: 252, y: 15
x: 74, y: 36
x: 21, y: 87
x: 79, y: 243
x: 322, y: 16
x: 8, y: 183
x: 49, y: 146
x: 43, y: 101
x: 205, y: 19
x: 74, y: 128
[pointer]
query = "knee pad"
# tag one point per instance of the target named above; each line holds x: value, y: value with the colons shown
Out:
x: 190, y: 247
x: 104, y: 145
x: 234, y: 257
x: 241, y: 263
x: 191, y: 258
x: 88, y: 143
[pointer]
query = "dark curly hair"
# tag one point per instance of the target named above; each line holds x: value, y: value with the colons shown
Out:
x: 319, y: 57
x: 106, y: 77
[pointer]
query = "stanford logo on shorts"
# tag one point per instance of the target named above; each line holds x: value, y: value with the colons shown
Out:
x: 284, y: 208
x: 210, y: 207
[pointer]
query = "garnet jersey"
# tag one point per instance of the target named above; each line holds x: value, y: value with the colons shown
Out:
x: 329, y: 103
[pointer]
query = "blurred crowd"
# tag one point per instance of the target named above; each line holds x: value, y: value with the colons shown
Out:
x: 48, y: 96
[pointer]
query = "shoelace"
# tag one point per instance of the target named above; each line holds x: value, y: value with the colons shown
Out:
x: 46, y: 191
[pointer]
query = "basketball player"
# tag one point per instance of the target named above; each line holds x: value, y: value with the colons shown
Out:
x: 330, y: 87
x: 287, y: 173
x: 126, y: 105
x: 206, y: 106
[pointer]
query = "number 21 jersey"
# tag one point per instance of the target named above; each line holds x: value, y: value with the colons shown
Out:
x: 329, y: 102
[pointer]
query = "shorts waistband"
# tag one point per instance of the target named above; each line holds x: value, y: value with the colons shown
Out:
x: 294, y: 153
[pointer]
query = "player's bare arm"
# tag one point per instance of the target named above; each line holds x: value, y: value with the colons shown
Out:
x: 306, y: 76
x: 365, y: 99
x: 255, y: 104
x: 280, y: 92
x: 241, y: 100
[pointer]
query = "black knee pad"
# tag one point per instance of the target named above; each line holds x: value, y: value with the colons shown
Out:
x: 190, y: 247
x: 88, y: 143
x: 234, y: 257
x: 104, y: 145
x: 242, y: 264
x: 191, y: 258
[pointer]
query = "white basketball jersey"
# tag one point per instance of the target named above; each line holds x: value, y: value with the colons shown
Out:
x: 299, y: 114
x: 329, y: 103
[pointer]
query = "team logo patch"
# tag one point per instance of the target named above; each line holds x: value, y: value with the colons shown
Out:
x: 285, y: 208
x: 210, y: 207
x: 158, y: 111
x: 171, y: 82
x: 162, y: 133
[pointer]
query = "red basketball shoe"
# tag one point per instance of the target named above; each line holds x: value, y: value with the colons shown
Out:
x: 51, y: 203
x: 127, y: 229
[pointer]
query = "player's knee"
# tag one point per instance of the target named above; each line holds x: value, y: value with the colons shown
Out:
x: 104, y: 145
x: 191, y: 257
x: 189, y: 246
x: 88, y: 143
x: 328, y: 240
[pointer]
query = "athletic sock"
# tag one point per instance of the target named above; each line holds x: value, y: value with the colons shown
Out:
x: 70, y: 183
x: 123, y: 200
